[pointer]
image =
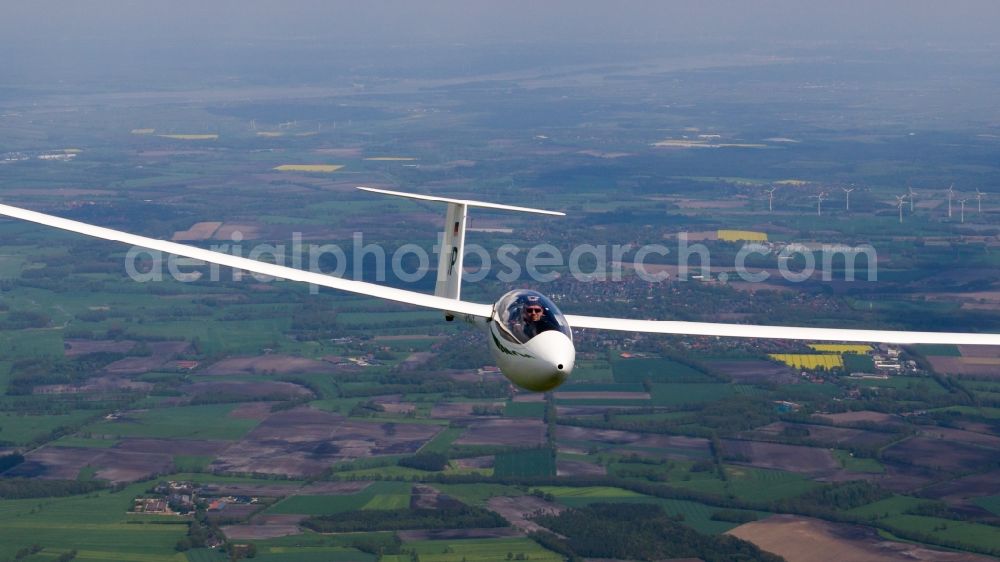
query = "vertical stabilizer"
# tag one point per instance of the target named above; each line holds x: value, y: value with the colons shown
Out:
x: 449, y: 276
x: 449, y: 270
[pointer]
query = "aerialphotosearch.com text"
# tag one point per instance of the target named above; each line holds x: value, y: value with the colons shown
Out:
x: 541, y: 263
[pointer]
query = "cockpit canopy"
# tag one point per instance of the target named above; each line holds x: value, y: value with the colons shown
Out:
x: 523, y: 314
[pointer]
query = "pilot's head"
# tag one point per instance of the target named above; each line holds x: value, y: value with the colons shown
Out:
x: 533, y: 310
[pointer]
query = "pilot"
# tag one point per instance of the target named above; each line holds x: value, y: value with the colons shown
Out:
x: 533, y: 318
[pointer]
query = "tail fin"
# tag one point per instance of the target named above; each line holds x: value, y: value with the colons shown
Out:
x: 449, y: 273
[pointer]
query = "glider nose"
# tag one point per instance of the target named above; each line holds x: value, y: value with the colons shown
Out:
x: 556, y: 352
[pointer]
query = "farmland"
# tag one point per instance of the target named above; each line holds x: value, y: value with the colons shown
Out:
x: 96, y: 525
x: 268, y: 402
x: 525, y: 463
x: 308, y: 167
x: 190, y: 136
x: 824, y: 361
x: 191, y: 422
x: 487, y: 550
x: 813, y: 539
x: 655, y: 370
x: 841, y: 348
x: 381, y: 495
x: 943, y: 531
x: 694, y: 514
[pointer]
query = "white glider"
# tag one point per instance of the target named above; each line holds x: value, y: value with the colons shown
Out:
x: 531, y: 340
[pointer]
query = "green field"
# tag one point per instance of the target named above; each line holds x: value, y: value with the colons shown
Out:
x: 524, y: 410
x: 695, y: 515
x: 666, y: 416
x: 668, y: 394
x: 904, y: 383
x: 476, y: 550
x: 562, y: 492
x: 896, y: 505
x: 983, y: 412
x: 760, y: 484
x: 990, y: 503
x: 858, y: 464
x: 317, y: 540
x: 939, y: 350
x: 675, y: 394
x: 857, y: 363
x: 655, y: 370
x: 797, y: 392
x: 379, y: 495
x: 602, y: 387
x: 442, y: 441
x: 342, y: 405
x: 192, y: 463
x: 375, y: 319
x: 983, y: 386
x: 205, y: 555
x: 208, y: 478
x: 185, y: 422
x: 21, y: 429
x: 11, y: 265
x: 526, y: 463
x: 313, y: 554
x: 31, y: 343
x: 383, y: 472
x: 478, y: 494
x: 592, y: 371
x: 73, y: 441
x: 94, y: 525
x: 389, y: 501
x: 745, y: 483
x: 984, y: 537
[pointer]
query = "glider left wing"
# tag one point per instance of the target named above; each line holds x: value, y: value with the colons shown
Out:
x: 254, y: 266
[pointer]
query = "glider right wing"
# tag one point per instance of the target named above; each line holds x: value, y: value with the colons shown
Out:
x: 779, y: 332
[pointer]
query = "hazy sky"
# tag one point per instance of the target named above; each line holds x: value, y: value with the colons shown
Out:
x: 38, y: 23
x: 99, y: 41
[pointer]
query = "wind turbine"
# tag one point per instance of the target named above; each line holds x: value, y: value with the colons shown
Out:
x: 770, y: 198
x: 979, y: 200
x: 847, y: 191
x: 529, y: 338
x: 912, y: 194
x: 962, y: 201
x: 819, y: 203
x: 951, y: 193
x: 899, y: 203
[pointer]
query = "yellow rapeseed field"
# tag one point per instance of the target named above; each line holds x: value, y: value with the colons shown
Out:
x: 269, y: 134
x: 737, y: 235
x: 308, y: 167
x: 143, y: 131
x: 191, y: 137
x: 858, y: 348
x: 809, y: 361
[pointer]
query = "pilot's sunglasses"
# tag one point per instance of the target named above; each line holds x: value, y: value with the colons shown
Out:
x: 534, y: 309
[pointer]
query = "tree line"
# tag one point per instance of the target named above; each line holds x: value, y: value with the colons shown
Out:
x: 458, y: 517
x: 641, y: 532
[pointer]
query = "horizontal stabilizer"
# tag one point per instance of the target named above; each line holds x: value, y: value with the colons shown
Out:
x: 466, y: 202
